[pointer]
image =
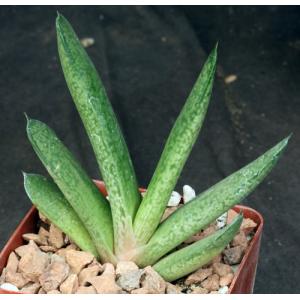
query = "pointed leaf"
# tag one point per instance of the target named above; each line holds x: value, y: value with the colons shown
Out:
x: 82, y: 194
x: 191, y: 258
x: 177, y: 149
x: 207, y: 206
x: 48, y: 199
x: 103, y: 131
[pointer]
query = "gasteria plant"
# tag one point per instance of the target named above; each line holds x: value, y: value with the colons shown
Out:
x: 126, y: 227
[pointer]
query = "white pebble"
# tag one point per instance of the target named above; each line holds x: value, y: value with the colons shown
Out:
x: 249, y: 237
x: 223, y: 290
x: 174, y: 199
x: 188, y: 193
x: 230, y: 79
x: 87, y: 42
x: 235, y: 268
x: 9, y: 287
x: 222, y: 220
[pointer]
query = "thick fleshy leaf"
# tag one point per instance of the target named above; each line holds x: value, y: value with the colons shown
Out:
x: 103, y: 131
x: 207, y: 206
x: 191, y: 258
x: 48, y: 199
x: 176, y: 151
x: 79, y: 190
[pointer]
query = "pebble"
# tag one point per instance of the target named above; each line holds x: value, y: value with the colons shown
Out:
x: 36, y: 238
x: 222, y: 220
x: 128, y: 275
x: 56, y: 237
x: 188, y: 194
x: 22, y: 250
x: 88, y: 273
x: 240, y: 240
x: 16, y: 279
x: 130, y: 280
x: 31, y: 288
x: 77, y: 260
x: 172, y: 289
x: 221, y: 269
x: 105, y: 283
x: 198, y: 276
x: 152, y: 281
x: 211, y: 283
x: 248, y: 225
x: 87, y: 42
x: 12, y: 263
x: 9, y: 287
x: 48, y: 248
x: 70, y: 285
x: 174, y: 199
x: 124, y: 267
x: 43, y: 233
x: 56, y: 273
x: 223, y: 290
x: 33, y: 264
x: 226, y: 280
x: 230, y: 79
x: 233, y: 255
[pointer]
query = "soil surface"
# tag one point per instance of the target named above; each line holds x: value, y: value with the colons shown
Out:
x: 149, y: 58
x: 49, y: 262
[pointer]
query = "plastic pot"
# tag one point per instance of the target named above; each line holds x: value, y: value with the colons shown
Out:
x: 242, y: 283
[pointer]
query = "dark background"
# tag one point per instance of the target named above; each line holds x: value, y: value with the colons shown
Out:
x: 149, y: 58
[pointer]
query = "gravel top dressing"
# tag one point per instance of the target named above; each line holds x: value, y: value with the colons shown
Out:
x: 49, y: 262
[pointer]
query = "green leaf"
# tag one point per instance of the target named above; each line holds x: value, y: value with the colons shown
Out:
x: 175, y: 153
x: 191, y: 258
x: 49, y: 200
x: 103, y: 131
x: 207, y: 206
x: 82, y: 194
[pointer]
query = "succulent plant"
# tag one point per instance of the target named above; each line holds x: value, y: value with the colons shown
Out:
x: 125, y: 226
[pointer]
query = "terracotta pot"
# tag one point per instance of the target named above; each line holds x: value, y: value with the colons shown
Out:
x: 242, y: 283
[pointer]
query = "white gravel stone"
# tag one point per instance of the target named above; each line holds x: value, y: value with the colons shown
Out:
x: 188, y: 193
x: 222, y: 220
x: 9, y: 287
x: 87, y: 42
x: 223, y: 290
x: 174, y: 199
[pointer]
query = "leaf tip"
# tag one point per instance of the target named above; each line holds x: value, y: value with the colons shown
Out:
x: 288, y: 137
x: 216, y: 46
x: 26, y: 116
x: 24, y: 174
x: 60, y: 19
x: 283, y: 144
x: 214, y: 52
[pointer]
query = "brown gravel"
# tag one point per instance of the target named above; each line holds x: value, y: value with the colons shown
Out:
x: 51, y: 263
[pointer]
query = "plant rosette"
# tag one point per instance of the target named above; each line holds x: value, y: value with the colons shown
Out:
x: 128, y: 242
